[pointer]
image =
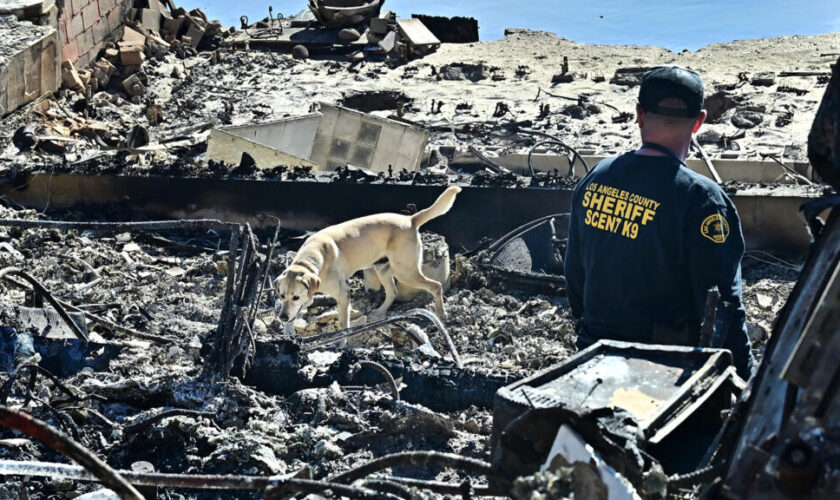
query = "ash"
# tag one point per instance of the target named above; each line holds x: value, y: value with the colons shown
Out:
x: 172, y: 285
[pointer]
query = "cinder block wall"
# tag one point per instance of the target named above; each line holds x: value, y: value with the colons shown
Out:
x: 85, y: 25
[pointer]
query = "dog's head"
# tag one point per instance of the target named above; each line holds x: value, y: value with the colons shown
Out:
x: 295, y: 289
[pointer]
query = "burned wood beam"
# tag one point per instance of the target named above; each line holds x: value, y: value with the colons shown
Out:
x: 279, y: 368
x: 234, y: 335
x: 66, y: 446
x: 264, y: 275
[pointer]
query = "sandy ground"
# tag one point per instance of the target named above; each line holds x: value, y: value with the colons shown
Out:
x: 514, y: 70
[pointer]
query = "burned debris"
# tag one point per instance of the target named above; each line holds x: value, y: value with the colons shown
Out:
x: 159, y: 170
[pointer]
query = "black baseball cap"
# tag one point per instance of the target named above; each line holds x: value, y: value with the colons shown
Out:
x: 674, y: 82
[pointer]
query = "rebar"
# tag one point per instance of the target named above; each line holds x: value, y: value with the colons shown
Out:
x: 541, y: 143
x: 110, y: 325
x: 558, y: 141
x: 55, y: 380
x: 316, y: 341
x: 443, y: 331
x: 388, y: 486
x: 415, y: 458
x: 324, y: 488
x: 699, y: 476
x: 395, y: 391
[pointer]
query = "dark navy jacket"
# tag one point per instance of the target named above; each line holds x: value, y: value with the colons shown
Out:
x: 647, y: 238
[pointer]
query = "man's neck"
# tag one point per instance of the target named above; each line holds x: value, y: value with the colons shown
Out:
x: 678, y: 148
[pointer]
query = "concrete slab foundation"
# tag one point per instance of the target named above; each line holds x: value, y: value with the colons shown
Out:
x: 770, y: 217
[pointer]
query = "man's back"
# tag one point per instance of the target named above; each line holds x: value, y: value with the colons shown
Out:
x: 647, y: 238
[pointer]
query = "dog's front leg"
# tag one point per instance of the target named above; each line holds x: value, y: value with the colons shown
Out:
x: 343, y: 299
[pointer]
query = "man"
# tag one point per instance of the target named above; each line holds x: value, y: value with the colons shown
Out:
x: 648, y: 237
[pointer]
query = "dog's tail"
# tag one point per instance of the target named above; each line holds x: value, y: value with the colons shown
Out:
x: 438, y: 208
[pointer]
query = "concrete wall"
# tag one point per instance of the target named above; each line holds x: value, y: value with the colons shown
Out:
x: 753, y: 171
x: 334, y: 138
x: 85, y: 25
x: 293, y: 136
x: 226, y: 147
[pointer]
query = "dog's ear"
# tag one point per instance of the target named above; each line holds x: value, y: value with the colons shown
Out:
x: 314, y: 283
x: 276, y: 282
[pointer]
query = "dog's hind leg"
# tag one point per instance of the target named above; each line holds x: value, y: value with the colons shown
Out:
x: 411, y: 275
x: 386, y: 277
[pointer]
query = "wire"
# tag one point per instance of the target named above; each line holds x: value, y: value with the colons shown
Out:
x: 538, y: 144
x: 778, y: 261
x: 560, y: 142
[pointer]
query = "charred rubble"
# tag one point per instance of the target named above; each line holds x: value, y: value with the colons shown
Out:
x: 150, y: 194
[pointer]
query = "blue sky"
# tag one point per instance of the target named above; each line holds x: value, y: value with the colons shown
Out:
x: 690, y: 24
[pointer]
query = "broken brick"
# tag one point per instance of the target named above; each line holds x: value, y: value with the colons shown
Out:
x: 70, y: 77
x: 131, y: 54
x: 133, y: 86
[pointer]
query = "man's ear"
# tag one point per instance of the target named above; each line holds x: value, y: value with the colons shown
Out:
x: 640, y: 115
x: 314, y: 283
x: 700, y: 120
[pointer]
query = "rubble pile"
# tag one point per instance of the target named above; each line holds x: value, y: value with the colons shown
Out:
x: 169, y: 76
x: 161, y: 350
x: 170, y: 286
